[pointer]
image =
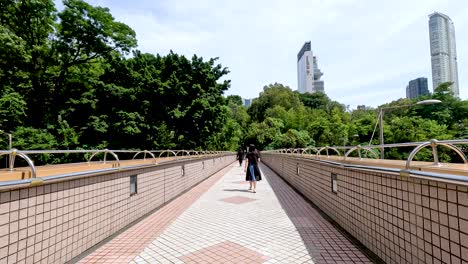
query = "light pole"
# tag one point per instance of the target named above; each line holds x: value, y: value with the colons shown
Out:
x: 10, y: 140
x: 424, y: 102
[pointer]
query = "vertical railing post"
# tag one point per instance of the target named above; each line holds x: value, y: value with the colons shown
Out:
x: 382, y: 148
x: 435, y: 153
x: 11, y: 160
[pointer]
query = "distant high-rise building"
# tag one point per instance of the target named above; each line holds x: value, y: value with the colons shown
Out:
x: 443, y: 51
x: 247, y: 102
x: 416, y: 88
x: 308, y: 73
x: 361, y: 107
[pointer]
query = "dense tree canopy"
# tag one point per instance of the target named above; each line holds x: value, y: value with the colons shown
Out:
x: 279, y: 120
x: 74, y: 79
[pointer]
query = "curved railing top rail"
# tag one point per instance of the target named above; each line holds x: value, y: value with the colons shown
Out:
x: 24, y: 154
x: 13, y: 153
x: 105, y: 151
x: 433, y: 143
x: 144, y: 155
x: 359, y: 148
x: 113, y: 150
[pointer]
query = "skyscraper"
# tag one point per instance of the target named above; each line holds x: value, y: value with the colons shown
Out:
x: 308, y: 73
x: 247, y: 102
x: 443, y: 51
x: 416, y: 88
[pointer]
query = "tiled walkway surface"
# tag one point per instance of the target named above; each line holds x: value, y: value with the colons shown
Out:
x: 219, y: 221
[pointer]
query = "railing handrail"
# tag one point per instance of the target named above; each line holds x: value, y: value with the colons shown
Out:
x: 370, y: 148
x: 183, y: 151
x: 144, y: 157
x: 359, y: 148
x: 24, y: 154
x: 13, y: 153
x: 326, y: 148
x: 105, y: 151
x: 167, y: 151
x: 435, y: 154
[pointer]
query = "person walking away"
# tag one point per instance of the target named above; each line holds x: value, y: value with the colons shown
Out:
x: 240, y: 156
x: 251, y: 168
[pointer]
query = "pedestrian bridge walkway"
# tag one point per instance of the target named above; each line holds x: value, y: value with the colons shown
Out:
x: 196, y: 208
x: 220, y: 221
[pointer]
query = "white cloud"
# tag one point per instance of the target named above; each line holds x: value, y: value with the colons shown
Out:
x: 364, y: 47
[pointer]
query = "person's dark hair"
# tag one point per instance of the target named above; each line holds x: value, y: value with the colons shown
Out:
x: 252, y: 147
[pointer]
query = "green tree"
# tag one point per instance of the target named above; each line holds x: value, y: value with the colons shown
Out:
x: 362, y: 125
x: 273, y: 95
x: 26, y: 27
x: 71, y: 76
x: 264, y: 133
x: 319, y: 100
x: 292, y: 139
x: 12, y: 109
x: 235, y: 99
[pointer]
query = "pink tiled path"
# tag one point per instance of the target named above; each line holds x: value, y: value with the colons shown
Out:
x: 237, y: 199
x: 124, y: 247
x: 224, y: 252
x: 220, y: 221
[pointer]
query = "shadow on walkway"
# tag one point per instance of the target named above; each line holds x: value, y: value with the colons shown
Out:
x: 323, y: 240
x: 236, y: 190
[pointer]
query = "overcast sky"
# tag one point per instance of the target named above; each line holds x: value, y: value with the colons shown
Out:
x: 368, y: 50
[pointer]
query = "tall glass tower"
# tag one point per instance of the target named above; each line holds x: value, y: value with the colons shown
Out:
x: 443, y: 51
x: 308, y: 73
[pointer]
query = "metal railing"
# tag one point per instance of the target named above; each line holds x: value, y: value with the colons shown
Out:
x: 144, y: 155
x: 371, y: 149
x: 435, y: 154
x: 12, y: 154
x: 184, y: 154
x: 105, y: 151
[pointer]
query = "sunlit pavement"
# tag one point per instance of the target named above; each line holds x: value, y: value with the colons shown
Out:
x: 220, y: 221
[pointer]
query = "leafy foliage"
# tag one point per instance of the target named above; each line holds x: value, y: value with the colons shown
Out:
x: 281, y: 121
x: 73, y: 79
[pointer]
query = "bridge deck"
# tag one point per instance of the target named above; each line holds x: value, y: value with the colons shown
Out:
x: 219, y: 221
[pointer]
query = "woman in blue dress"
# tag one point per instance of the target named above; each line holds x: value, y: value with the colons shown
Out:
x: 251, y: 168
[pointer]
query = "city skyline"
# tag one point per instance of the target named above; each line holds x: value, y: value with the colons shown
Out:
x: 443, y: 51
x: 368, y: 55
